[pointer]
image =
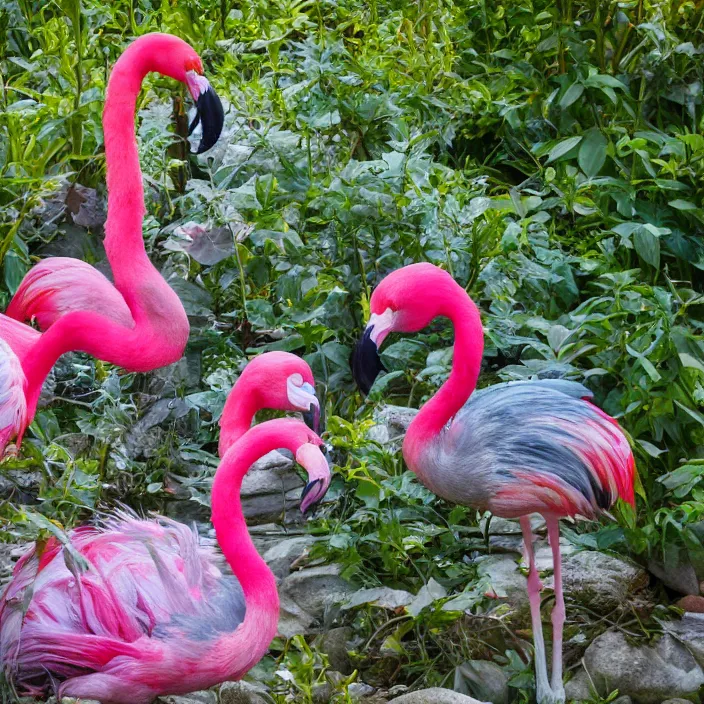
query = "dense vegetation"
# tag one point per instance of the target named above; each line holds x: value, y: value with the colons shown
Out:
x: 547, y: 153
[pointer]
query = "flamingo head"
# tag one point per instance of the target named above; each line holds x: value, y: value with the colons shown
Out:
x: 171, y: 56
x: 284, y: 382
x: 308, y: 450
x: 406, y: 300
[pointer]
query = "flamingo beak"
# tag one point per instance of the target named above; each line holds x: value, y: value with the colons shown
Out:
x: 209, y: 110
x: 311, y: 458
x: 366, y: 363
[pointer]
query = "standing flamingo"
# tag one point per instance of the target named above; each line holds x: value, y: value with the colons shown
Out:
x: 139, y: 323
x: 512, y: 449
x: 278, y: 380
x: 155, y: 612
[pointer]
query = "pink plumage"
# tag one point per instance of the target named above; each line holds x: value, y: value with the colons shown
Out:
x: 155, y: 612
x: 513, y: 449
x: 138, y: 323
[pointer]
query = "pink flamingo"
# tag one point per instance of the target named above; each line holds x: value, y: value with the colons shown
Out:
x: 138, y: 323
x: 154, y: 612
x: 512, y: 449
x: 278, y: 380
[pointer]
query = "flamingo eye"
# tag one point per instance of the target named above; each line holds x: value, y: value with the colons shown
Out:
x: 296, y: 379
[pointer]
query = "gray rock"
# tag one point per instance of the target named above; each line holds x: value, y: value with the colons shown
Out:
x: 240, y: 693
x: 71, y: 700
x: 505, y: 580
x: 204, y: 697
x: 579, y: 688
x: 676, y: 700
x: 284, y: 553
x: 359, y: 690
x: 601, y: 582
x: 293, y: 620
x: 322, y: 693
x: 483, y: 679
x: 690, y: 632
x: 391, y: 423
x: 334, y: 644
x: 680, y: 576
x: 268, y: 489
x: 648, y: 674
x: 435, y: 695
x: 316, y: 588
x: 623, y: 699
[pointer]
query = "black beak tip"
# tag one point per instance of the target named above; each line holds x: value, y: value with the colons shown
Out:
x: 212, y: 117
x: 306, y: 490
x: 366, y: 363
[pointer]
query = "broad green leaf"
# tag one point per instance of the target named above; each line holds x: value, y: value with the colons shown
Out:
x: 572, y: 94
x: 592, y: 152
x: 562, y: 148
x: 647, y: 246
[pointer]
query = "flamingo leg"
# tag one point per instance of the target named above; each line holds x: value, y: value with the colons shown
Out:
x: 558, y: 612
x: 543, y: 691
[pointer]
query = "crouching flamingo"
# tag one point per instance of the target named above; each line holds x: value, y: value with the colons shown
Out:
x: 512, y: 449
x: 139, y: 322
x: 155, y: 612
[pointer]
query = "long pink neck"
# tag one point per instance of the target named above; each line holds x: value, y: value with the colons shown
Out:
x: 240, y: 408
x: 453, y: 394
x: 124, y: 243
x: 249, y: 642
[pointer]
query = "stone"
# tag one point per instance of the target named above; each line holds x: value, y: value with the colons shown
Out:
x: 690, y: 632
x: 691, y: 603
x: 484, y: 679
x: 648, y: 674
x: 391, y: 423
x: 240, y: 693
x: 579, y: 687
x: 71, y: 700
x: 284, y: 553
x: 293, y: 620
x: 435, y: 695
x: 676, y: 700
x: 505, y: 582
x: 359, y: 690
x: 204, y: 697
x: 267, y: 489
x: 333, y: 643
x: 680, y: 577
x: 600, y: 581
x: 316, y: 588
x: 625, y: 699
x: 322, y: 693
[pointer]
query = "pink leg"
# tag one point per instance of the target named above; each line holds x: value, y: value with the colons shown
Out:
x: 543, y: 691
x: 558, y: 612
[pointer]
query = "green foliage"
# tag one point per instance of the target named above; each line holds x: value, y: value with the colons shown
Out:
x: 548, y: 154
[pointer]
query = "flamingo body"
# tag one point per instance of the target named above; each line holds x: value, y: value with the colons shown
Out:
x: 61, y: 285
x: 530, y: 447
x: 13, y: 404
x: 151, y: 586
x: 513, y: 449
x: 138, y: 323
x: 154, y: 612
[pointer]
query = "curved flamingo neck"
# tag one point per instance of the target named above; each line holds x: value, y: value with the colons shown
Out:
x: 453, y: 394
x: 250, y: 641
x: 124, y: 244
x: 240, y: 408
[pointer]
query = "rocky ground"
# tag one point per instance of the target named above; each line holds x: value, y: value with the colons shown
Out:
x: 608, y: 597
